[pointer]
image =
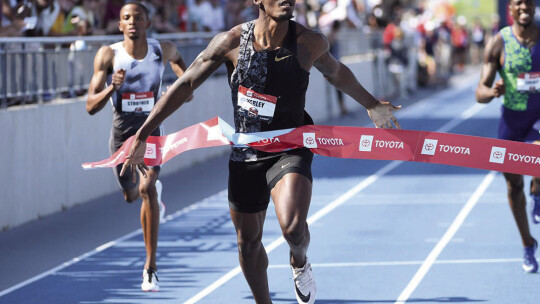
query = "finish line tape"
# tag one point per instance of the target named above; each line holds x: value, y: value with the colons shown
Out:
x: 346, y: 142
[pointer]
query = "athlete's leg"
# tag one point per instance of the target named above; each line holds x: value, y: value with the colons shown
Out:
x: 149, y: 216
x: 516, y: 198
x: 535, y: 185
x: 251, y: 252
x: 292, y: 196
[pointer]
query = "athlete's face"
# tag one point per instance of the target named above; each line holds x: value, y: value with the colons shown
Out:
x: 277, y: 9
x: 133, y: 21
x: 522, y: 11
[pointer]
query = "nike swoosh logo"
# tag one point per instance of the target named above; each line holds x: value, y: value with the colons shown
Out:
x: 302, y: 297
x: 277, y: 59
x: 283, y: 166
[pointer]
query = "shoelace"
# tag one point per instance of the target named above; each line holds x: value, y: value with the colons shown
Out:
x: 302, y: 277
x: 151, y: 273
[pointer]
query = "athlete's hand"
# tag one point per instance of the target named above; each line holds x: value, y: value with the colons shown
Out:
x: 382, y: 115
x: 135, y: 159
x: 118, y: 78
x: 498, y: 89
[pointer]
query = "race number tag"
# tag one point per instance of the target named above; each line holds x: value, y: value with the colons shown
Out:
x: 528, y: 82
x: 256, y: 104
x: 138, y: 102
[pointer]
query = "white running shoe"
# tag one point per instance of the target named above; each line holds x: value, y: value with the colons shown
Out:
x: 150, y: 280
x: 304, y: 285
x: 159, y: 188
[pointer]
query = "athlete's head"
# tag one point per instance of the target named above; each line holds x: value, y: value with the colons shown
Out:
x: 134, y: 20
x: 277, y: 9
x: 522, y: 11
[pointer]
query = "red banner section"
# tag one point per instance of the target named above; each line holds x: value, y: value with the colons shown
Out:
x: 352, y: 142
x: 159, y: 149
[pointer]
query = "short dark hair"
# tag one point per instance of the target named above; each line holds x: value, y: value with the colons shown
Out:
x: 139, y: 4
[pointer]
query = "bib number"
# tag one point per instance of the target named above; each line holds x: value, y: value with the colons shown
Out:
x: 256, y: 104
x: 528, y: 82
x: 138, y: 102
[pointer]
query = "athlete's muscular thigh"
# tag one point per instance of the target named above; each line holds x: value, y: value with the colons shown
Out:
x: 292, y: 196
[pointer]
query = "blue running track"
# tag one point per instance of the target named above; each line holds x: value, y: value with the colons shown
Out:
x: 381, y: 231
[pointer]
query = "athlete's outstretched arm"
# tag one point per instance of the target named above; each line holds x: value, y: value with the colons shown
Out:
x: 204, y: 65
x: 491, y: 64
x: 98, y: 94
x: 340, y: 76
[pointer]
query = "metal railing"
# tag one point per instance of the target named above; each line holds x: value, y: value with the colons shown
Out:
x: 36, y: 70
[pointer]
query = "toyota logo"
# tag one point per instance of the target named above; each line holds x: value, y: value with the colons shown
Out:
x: 429, y: 146
x: 497, y: 154
x: 310, y: 140
x: 365, y: 143
x: 149, y: 150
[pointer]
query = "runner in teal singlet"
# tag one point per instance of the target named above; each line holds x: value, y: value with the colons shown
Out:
x: 515, y: 54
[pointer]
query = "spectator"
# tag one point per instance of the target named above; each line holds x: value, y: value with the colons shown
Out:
x: 397, y: 56
x: 94, y: 14
x: 234, y: 9
x: 478, y: 34
x: 182, y: 17
x: 10, y: 26
x: 332, y: 37
x: 250, y: 11
x: 49, y: 17
x: 197, y: 11
x: 72, y: 13
x: 214, y: 19
x: 460, y: 44
x: 76, y: 65
x: 110, y: 19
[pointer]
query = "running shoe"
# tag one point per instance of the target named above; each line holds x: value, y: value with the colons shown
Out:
x: 159, y: 188
x: 304, y: 285
x: 529, y: 261
x: 150, y: 280
x: 535, y: 213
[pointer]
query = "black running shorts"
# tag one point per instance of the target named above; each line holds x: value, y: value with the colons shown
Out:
x: 250, y: 183
x: 115, y: 142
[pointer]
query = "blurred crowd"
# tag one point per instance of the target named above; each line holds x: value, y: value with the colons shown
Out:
x: 446, y: 42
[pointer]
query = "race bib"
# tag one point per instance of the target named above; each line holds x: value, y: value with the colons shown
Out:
x: 256, y: 104
x: 138, y: 102
x: 528, y: 82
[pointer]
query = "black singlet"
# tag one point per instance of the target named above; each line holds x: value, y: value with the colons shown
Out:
x: 274, y: 73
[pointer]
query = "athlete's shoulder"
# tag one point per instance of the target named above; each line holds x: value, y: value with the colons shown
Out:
x: 232, y: 36
x: 495, y: 45
x: 225, y: 42
x: 311, y: 38
x: 105, y: 55
x: 168, y: 49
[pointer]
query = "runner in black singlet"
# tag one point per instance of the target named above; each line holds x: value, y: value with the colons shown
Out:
x: 129, y: 74
x: 268, y: 61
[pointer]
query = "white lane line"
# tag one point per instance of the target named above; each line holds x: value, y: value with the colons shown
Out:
x: 404, y: 263
x: 316, y: 265
x: 434, y: 254
x: 463, y: 116
x: 107, y: 245
x: 279, y: 241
